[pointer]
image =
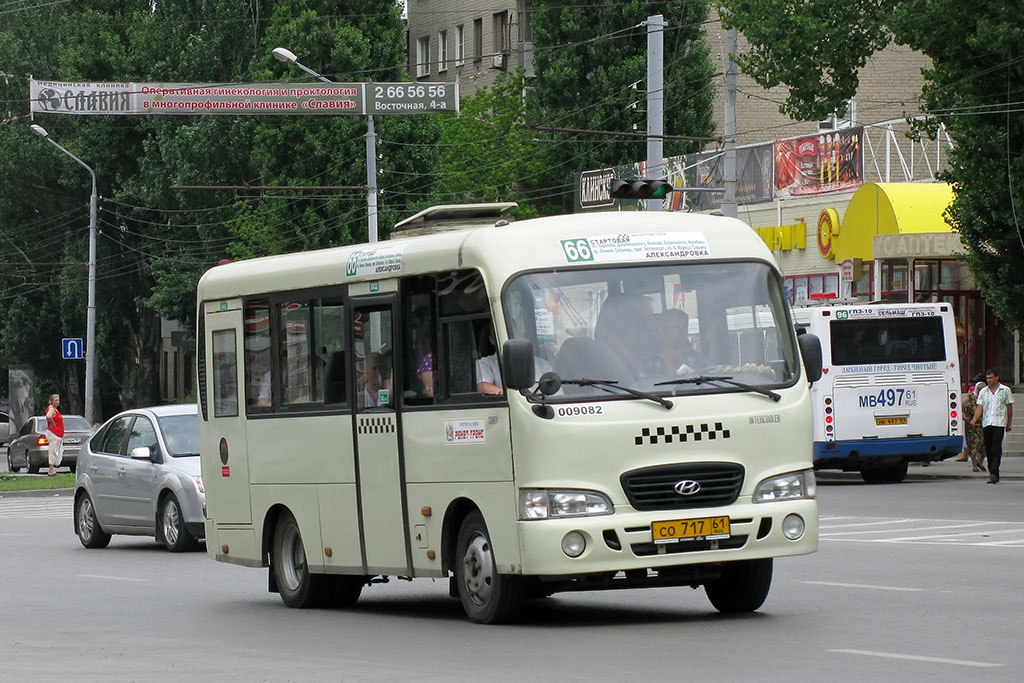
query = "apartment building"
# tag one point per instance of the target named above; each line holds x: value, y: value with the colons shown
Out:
x: 471, y: 41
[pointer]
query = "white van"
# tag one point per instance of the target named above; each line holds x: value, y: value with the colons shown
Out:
x: 356, y: 423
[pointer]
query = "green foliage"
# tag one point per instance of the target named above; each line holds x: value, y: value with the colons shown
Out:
x: 488, y: 153
x: 155, y: 241
x: 591, y: 64
x: 977, y: 78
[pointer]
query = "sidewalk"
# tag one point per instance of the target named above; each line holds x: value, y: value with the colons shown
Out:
x: 1010, y: 469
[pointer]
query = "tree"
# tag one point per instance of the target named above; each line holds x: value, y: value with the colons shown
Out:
x: 815, y: 47
x: 156, y: 242
x: 591, y: 65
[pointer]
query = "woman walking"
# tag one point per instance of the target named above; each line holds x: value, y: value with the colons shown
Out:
x: 54, y: 434
x: 974, y: 440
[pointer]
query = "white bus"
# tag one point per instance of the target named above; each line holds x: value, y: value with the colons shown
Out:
x: 354, y: 426
x: 890, y: 389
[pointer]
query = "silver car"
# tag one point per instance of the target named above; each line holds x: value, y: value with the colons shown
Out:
x: 139, y: 475
x: 5, y: 428
x: 28, y: 450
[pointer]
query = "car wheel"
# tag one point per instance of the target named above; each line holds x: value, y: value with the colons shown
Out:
x: 742, y: 587
x: 28, y: 465
x: 87, y: 526
x: 487, y: 596
x: 176, y: 537
x: 297, y: 585
x: 10, y: 463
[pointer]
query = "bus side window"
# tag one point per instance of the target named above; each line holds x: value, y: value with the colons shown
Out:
x: 258, y: 353
x: 419, y: 353
x: 329, y: 331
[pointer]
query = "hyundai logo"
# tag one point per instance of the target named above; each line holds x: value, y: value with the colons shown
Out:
x: 687, y: 487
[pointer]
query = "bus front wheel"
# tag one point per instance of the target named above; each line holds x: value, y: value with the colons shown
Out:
x: 297, y: 586
x: 487, y: 596
x: 742, y: 586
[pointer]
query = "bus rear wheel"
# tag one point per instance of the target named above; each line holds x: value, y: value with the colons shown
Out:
x: 742, y: 586
x: 298, y: 587
x: 487, y: 596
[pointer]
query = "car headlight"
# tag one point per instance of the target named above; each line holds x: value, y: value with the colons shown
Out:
x: 198, y: 481
x: 790, y: 486
x: 542, y: 504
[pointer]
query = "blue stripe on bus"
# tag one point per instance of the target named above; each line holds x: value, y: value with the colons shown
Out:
x: 943, y: 446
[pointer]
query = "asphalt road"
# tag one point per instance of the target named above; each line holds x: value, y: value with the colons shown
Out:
x: 918, y: 581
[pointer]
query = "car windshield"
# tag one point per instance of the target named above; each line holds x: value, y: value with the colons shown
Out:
x: 181, y: 434
x: 74, y: 423
x: 644, y: 325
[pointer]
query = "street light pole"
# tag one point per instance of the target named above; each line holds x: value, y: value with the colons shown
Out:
x: 286, y: 55
x: 90, y: 317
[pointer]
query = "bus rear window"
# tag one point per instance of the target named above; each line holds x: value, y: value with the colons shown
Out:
x: 881, y: 341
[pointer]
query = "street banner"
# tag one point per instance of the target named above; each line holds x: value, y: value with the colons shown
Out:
x: 815, y: 164
x: 707, y: 169
x: 134, y: 99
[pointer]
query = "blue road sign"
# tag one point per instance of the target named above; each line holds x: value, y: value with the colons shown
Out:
x: 72, y: 348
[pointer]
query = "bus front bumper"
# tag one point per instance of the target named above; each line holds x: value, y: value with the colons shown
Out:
x: 624, y: 542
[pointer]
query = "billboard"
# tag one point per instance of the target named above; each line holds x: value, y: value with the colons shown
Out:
x: 815, y: 164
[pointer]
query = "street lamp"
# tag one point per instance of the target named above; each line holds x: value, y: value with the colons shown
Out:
x: 286, y: 55
x: 90, y: 324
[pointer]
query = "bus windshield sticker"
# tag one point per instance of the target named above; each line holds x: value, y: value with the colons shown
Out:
x: 375, y: 260
x: 645, y: 246
x: 465, y: 431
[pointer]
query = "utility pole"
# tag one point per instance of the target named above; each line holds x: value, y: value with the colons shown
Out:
x: 729, y: 175
x: 655, y: 102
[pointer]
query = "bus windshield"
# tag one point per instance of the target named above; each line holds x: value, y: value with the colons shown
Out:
x: 641, y: 325
x: 887, y: 340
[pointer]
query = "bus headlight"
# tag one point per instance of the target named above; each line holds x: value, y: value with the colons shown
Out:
x: 542, y: 504
x: 790, y: 486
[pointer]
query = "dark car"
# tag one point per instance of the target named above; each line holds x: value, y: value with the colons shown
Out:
x: 28, y: 451
x: 5, y: 428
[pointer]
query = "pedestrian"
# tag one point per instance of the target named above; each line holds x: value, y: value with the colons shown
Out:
x: 995, y: 412
x: 974, y: 444
x: 54, y: 434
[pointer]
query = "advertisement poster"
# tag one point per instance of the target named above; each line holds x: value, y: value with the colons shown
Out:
x: 815, y: 164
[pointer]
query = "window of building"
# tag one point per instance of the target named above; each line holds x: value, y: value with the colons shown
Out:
x: 478, y: 39
x: 525, y: 15
x: 500, y: 36
x: 806, y: 287
x: 422, y: 56
x: 442, y: 50
x: 460, y: 45
x: 839, y: 119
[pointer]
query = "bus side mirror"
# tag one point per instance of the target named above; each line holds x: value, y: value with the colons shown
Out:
x: 810, y: 349
x: 517, y: 364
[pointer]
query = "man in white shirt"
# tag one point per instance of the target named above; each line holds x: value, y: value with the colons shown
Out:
x: 488, y: 371
x: 995, y: 410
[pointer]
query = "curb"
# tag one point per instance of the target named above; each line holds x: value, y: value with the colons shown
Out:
x: 37, y: 493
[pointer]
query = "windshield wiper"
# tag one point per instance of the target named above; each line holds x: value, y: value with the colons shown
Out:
x: 725, y: 379
x: 608, y: 384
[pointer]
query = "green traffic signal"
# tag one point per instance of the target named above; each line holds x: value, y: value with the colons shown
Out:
x: 641, y: 188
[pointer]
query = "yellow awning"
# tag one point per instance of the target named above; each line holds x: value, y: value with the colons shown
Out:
x: 888, y: 208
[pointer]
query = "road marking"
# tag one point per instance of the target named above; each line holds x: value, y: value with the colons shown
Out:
x: 863, y: 585
x: 110, y: 578
x: 918, y: 528
x: 849, y: 526
x: 918, y: 658
x: 22, y: 508
x: 953, y: 537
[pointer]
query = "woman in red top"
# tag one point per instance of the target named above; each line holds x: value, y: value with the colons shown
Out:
x: 54, y: 433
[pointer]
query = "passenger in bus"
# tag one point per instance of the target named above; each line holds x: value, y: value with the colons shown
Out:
x: 620, y: 328
x: 676, y: 349
x: 372, y: 380
x: 263, y: 400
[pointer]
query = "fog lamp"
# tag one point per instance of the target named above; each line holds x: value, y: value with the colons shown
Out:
x: 793, y: 527
x: 573, y: 544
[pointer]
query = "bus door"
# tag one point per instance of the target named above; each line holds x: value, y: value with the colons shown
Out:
x: 225, y: 454
x: 379, y: 467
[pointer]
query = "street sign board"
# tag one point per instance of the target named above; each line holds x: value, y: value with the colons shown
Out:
x: 72, y: 348
x: 271, y: 98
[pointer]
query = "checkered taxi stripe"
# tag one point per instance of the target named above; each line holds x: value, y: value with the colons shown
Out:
x: 376, y: 425
x: 681, y: 434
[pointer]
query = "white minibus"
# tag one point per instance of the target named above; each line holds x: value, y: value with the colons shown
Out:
x: 517, y: 407
x: 889, y: 393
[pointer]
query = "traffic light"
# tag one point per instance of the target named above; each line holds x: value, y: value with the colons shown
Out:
x: 642, y: 188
